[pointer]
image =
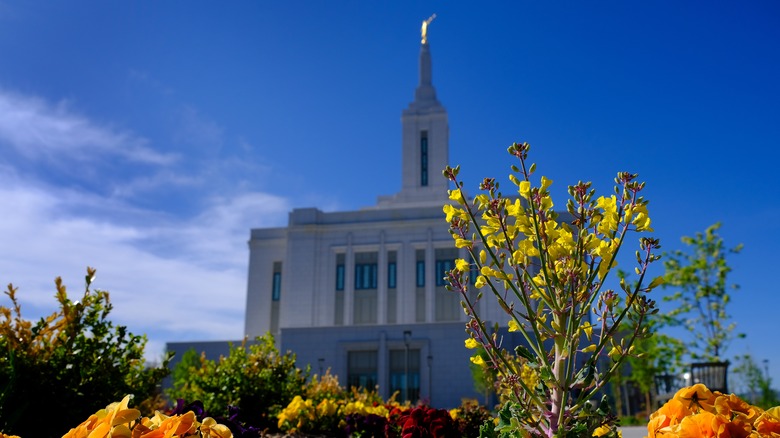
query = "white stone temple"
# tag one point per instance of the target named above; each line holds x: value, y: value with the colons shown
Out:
x: 362, y: 292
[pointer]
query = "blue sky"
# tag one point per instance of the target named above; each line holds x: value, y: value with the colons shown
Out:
x: 146, y: 138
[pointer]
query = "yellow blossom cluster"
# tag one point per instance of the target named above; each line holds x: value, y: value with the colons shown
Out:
x: 529, y: 376
x: 297, y: 413
x: 301, y: 414
x: 117, y: 420
x: 697, y: 412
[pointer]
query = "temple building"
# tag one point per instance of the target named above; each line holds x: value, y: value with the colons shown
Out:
x: 362, y: 292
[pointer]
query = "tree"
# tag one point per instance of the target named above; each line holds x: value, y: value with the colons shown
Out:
x: 659, y: 354
x: 756, y: 384
x: 702, y: 292
x: 75, y: 359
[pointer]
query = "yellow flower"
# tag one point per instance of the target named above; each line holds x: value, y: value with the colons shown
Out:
x: 450, y: 211
x: 211, y: 429
x: 513, y: 326
x: 462, y: 243
x: 454, y: 413
x: 546, y: 183
x: 482, y: 200
x: 615, y: 352
x: 587, y: 327
x: 461, y: 265
x: 525, y: 189
x: 480, y: 282
x: 477, y: 360
x: 455, y: 195
x: 546, y: 203
x: 327, y: 408
x: 525, y: 249
x: 514, y: 208
x: 471, y: 343
x: 589, y: 349
x: 641, y: 218
x: 164, y: 426
x: 609, y: 221
x: 103, y: 421
x: 602, y: 430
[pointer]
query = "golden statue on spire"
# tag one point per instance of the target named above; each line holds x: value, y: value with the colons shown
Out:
x: 424, y: 30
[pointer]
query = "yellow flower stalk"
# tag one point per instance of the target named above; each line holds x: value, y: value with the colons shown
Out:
x: 548, y: 271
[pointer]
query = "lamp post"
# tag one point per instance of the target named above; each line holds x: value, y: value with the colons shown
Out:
x: 430, y: 379
x: 407, y: 336
x: 320, y: 361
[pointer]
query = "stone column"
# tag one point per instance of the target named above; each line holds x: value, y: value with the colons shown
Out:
x: 381, y: 287
x: 430, y: 279
x: 349, y: 282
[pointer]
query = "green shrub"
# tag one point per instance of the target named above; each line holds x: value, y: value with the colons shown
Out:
x: 255, y: 377
x: 65, y: 367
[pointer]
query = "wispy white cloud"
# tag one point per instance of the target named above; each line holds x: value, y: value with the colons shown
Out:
x: 39, y: 130
x: 173, y: 276
x: 171, y: 280
x: 146, y: 183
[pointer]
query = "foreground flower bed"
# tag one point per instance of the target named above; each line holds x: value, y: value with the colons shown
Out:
x: 693, y: 412
x: 696, y: 411
x: 301, y: 418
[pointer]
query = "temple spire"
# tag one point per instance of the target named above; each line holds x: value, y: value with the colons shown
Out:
x: 425, y: 91
x: 425, y: 141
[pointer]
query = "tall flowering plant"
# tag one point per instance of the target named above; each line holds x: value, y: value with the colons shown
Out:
x: 548, y: 275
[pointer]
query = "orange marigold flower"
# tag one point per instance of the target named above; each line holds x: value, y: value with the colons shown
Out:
x: 698, y: 425
x: 768, y: 423
x: 697, y: 397
x: 736, y: 428
x: 670, y: 414
x: 732, y: 407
